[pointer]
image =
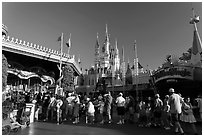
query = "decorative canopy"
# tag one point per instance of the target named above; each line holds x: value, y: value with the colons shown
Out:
x: 26, y: 75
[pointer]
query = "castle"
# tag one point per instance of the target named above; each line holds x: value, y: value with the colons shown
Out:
x: 109, y: 69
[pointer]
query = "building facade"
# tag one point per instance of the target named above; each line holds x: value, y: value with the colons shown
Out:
x: 32, y: 65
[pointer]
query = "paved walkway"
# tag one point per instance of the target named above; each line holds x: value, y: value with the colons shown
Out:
x: 48, y: 128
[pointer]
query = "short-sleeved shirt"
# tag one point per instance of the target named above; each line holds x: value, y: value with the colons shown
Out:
x: 175, y: 102
x: 120, y: 101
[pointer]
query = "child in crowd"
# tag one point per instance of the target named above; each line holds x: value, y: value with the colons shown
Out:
x: 142, y: 114
x: 166, y: 113
x: 76, y: 102
x: 90, y: 112
x: 148, y: 114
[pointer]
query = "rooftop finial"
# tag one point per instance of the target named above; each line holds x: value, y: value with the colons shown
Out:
x: 116, y: 43
x: 79, y: 60
x: 106, y: 29
x: 97, y: 35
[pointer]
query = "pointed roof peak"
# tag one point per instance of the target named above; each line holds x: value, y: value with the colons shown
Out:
x: 135, y: 42
x: 97, y: 41
x: 107, y: 35
x: 106, y: 28
x: 97, y: 35
x: 79, y: 60
x: 116, y: 43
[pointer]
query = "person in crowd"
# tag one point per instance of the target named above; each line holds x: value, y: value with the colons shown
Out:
x: 90, y: 112
x: 175, y: 102
x: 27, y: 97
x: 101, y: 109
x: 187, y: 114
x: 137, y: 111
x: 59, y: 103
x: 70, y: 106
x: 39, y: 98
x: 76, y: 102
x: 51, y: 108
x: 21, y: 106
x: 158, y: 104
x: 120, y: 102
x: 148, y: 114
x: 199, y: 105
x: 107, y: 107
x: 45, y: 105
x: 166, y: 113
x: 97, y: 111
x: 142, y: 114
x: 130, y: 108
x: 64, y: 109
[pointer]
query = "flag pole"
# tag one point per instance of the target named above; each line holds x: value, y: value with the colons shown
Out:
x: 69, y: 42
x: 123, y: 76
x: 113, y: 76
x: 136, y: 70
x: 61, y: 50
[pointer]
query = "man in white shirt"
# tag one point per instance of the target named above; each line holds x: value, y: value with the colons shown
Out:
x: 120, y: 102
x: 59, y: 111
x: 175, y: 102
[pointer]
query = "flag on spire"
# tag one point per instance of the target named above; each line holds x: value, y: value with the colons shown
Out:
x: 79, y: 60
x: 68, y: 43
x: 139, y: 66
x: 135, y: 46
x: 59, y: 38
x: 97, y: 42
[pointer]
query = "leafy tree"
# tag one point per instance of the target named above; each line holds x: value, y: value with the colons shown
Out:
x: 68, y: 79
x: 4, y: 72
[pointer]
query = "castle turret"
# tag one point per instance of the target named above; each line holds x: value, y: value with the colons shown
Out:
x: 97, y: 54
x: 117, y: 58
x: 106, y: 51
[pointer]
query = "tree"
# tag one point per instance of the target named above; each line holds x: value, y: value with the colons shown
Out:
x: 68, y: 79
x: 4, y: 72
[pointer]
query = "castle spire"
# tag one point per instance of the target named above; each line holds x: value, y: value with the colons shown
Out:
x: 116, y: 57
x: 116, y: 47
x: 97, y: 52
x: 107, y: 31
x: 107, y: 41
x: 79, y: 60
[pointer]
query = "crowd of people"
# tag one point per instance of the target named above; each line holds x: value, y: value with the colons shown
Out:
x: 100, y: 109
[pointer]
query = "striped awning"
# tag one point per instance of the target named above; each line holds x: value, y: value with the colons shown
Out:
x: 26, y: 75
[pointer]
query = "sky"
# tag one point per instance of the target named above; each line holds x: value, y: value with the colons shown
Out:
x: 159, y: 28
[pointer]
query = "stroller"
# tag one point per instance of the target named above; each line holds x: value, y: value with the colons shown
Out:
x: 8, y: 125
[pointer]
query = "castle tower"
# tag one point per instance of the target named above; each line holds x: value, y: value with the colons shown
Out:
x: 105, y: 55
x: 105, y: 51
x: 117, y: 58
x: 97, y: 54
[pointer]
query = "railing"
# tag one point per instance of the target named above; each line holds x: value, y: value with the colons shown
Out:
x: 35, y: 46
